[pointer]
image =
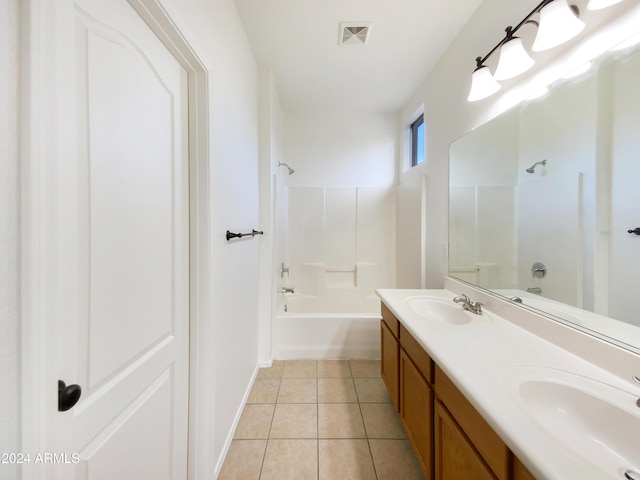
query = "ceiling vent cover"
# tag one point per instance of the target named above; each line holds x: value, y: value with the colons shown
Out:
x: 354, y: 33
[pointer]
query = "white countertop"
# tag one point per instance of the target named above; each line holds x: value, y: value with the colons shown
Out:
x: 488, y: 357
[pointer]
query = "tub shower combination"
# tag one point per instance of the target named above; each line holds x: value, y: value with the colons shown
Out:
x: 339, y: 249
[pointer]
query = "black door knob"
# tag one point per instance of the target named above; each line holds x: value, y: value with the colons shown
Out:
x: 68, y: 396
x: 635, y: 230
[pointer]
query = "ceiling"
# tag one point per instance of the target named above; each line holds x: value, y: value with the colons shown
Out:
x: 298, y: 41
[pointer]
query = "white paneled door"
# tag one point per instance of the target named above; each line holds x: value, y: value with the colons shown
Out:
x: 124, y: 255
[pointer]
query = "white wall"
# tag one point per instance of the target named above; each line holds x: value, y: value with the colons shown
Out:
x: 9, y: 237
x: 217, y: 34
x: 271, y: 252
x: 340, y: 149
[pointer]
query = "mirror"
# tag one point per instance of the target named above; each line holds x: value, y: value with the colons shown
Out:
x: 543, y: 196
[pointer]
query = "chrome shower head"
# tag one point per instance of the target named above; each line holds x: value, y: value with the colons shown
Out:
x: 532, y: 168
x: 291, y: 170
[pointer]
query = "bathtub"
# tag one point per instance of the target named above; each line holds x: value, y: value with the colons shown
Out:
x: 315, y: 327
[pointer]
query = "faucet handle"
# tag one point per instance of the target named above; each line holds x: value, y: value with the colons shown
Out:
x: 462, y: 298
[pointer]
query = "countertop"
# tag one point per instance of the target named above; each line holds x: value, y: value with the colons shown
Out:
x: 488, y: 358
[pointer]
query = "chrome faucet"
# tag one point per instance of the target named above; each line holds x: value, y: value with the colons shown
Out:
x: 468, y: 305
x: 286, y: 290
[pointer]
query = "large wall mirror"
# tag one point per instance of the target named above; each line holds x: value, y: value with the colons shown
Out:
x: 543, y: 196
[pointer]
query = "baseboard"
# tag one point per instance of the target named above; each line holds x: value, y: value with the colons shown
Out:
x: 236, y: 420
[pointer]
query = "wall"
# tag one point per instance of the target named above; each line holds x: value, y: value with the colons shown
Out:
x: 448, y: 116
x: 271, y: 252
x: 340, y: 202
x: 340, y: 149
x: 216, y: 32
x: 9, y: 237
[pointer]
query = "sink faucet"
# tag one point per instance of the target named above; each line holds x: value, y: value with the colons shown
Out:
x: 468, y: 305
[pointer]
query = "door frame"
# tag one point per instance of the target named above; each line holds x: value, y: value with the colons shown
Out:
x: 46, y: 81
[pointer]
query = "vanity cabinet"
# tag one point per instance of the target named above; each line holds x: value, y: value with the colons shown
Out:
x: 450, y: 438
x: 390, y: 351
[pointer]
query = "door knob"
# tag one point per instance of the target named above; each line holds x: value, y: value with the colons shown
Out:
x: 68, y: 395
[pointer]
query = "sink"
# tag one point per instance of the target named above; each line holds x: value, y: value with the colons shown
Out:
x: 598, y: 421
x: 440, y: 310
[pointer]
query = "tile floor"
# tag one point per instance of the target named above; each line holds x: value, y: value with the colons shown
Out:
x: 322, y: 420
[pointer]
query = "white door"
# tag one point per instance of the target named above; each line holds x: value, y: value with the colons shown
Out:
x: 123, y: 253
x: 625, y: 194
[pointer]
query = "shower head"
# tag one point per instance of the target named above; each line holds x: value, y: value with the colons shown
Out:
x: 532, y: 168
x: 291, y: 170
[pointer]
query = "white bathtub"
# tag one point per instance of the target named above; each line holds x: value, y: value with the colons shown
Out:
x: 313, y: 327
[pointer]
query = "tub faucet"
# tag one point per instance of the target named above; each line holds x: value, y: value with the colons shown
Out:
x: 468, y: 305
x: 286, y: 290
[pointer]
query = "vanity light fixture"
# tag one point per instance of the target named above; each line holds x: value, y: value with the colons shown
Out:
x: 514, y: 59
x: 557, y: 24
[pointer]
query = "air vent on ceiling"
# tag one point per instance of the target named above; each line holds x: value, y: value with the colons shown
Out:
x: 354, y: 33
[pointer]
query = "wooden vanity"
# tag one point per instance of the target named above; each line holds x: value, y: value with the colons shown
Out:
x: 449, y: 437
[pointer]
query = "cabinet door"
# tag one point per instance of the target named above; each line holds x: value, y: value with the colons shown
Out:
x: 455, y: 457
x: 520, y: 472
x: 390, y: 350
x: 416, y: 411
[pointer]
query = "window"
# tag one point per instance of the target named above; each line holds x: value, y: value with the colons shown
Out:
x: 417, y: 141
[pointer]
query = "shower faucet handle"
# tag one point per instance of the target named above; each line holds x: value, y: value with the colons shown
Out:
x: 282, y: 270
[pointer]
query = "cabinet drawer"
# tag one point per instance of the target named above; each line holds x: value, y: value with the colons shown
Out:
x: 391, y: 320
x: 417, y: 354
x: 493, y: 450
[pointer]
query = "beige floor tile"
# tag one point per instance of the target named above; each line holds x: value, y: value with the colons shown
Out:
x: 336, y: 390
x: 295, y: 421
x: 334, y: 368
x: 300, y: 369
x: 274, y: 371
x: 371, y: 390
x: 255, y: 421
x: 345, y: 460
x: 298, y: 390
x: 244, y: 460
x: 395, y: 459
x: 264, y: 390
x: 340, y: 420
x: 365, y: 368
x: 290, y: 460
x: 382, y: 421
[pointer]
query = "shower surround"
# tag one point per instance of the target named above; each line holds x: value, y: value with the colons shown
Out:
x: 340, y: 247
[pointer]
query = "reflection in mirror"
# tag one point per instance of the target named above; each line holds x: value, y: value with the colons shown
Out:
x: 543, y: 196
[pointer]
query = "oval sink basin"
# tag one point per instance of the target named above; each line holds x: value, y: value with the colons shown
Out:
x: 439, y: 310
x: 599, y: 422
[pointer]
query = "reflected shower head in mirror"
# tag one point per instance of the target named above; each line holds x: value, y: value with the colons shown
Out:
x: 291, y: 170
x: 532, y: 168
